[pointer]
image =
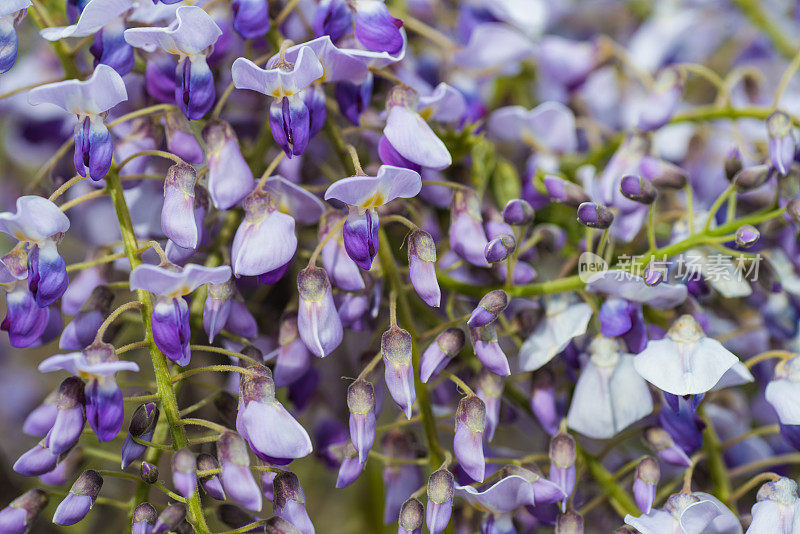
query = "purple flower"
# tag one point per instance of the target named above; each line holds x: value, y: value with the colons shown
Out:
x: 172, y: 516
x: 364, y: 194
x: 38, y: 223
x: 565, y: 61
x: 495, y: 47
x: 317, y: 320
x: 550, y: 125
x: 11, y: 14
x: 343, y: 271
x: 143, y: 424
x: 177, y: 213
x: 183, y: 472
x: 143, y: 519
x: 288, y: 114
x: 361, y: 403
x: 644, y: 485
x: 250, y: 18
x: 619, y: 317
x: 270, y: 430
x: 490, y: 391
x: 685, y: 362
x: 211, y: 484
x: 777, y: 509
x: 440, y: 352
x: 217, y: 308
x: 69, y: 421
x: 440, y: 490
x: 562, y: 322
x: 400, y: 480
x: 265, y: 241
x: 80, y: 499
x: 610, y: 395
x: 489, y: 308
x: 237, y: 480
x: 353, y: 99
x: 25, y: 321
x: 468, y: 440
x: 190, y: 39
x: 467, y: 236
x: 350, y: 468
x: 662, y: 443
x: 98, y: 363
x: 88, y: 100
x: 396, y: 352
x: 332, y: 18
x: 290, y: 502
x: 689, y: 512
x: 293, y: 359
x: 422, y: 267
x: 487, y: 349
x: 410, y: 519
x: 41, y: 419
x: 562, y: 464
x: 516, y: 487
x: 229, y: 177
x: 170, y: 316
x: 631, y: 287
x: 408, y: 133
x: 543, y: 401
x: 376, y: 29
x: 18, y: 516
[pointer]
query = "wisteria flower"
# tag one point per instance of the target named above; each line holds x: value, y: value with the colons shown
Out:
x: 777, y: 508
x: 11, y: 14
x: 97, y: 364
x: 363, y: 194
x: 170, y: 316
x: 409, y: 135
x: 610, y: 395
x: 686, y: 361
x: 190, y: 38
x: 550, y: 125
x: 562, y: 322
x: 688, y: 512
x: 89, y: 100
x: 782, y: 395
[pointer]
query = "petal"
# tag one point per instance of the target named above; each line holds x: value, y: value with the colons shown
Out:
x: 177, y: 216
x: 171, y: 331
x: 36, y: 218
x: 95, y: 15
x: 304, y: 206
x: 319, y: 325
x: 291, y: 363
x: 494, y: 45
x: 376, y: 29
x: 338, y: 64
x: 468, y: 450
x: 492, y: 357
x: 413, y: 139
x: 194, y: 32
x: 250, y: 18
x: 591, y: 412
x: 47, y: 273
x: 506, y: 495
x: 104, y: 90
x: 229, y: 177
x: 445, y: 104
x: 784, y: 396
x: 194, y: 86
x: 553, y: 334
x: 166, y: 282
x: 62, y: 362
x: 697, y: 516
x: 35, y: 462
x: 72, y: 509
x: 273, y: 432
x: 278, y: 82
x: 264, y: 246
x: 631, y: 287
x: 104, y: 408
x: 630, y: 396
x: 656, y: 522
x: 342, y: 270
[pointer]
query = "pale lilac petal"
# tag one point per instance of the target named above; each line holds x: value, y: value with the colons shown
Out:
x: 36, y: 219
x: 95, y: 15
x: 305, y: 207
x: 264, y: 246
x: 104, y: 90
x: 338, y: 64
x: 193, y: 32
x: 445, y: 104
x: 62, y: 362
x: 413, y: 139
x: 166, y: 282
x: 632, y: 287
x: 494, y: 45
x: 272, y: 431
x: 278, y: 82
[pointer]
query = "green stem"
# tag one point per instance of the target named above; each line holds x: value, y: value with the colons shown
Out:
x: 166, y: 394
x: 720, y: 478
x: 618, y: 497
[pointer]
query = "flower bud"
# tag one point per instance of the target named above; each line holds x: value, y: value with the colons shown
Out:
x: 210, y: 483
x: 360, y: 236
x: 595, y: 215
x: 396, y: 352
x: 782, y: 145
x: 440, y: 352
x: 294, y: 358
x: 518, y: 212
x: 177, y: 215
x: 570, y: 522
x: 733, y: 163
x: 562, y: 464
x: 350, y: 468
x: 183, y: 472
x: 317, y: 320
x: 80, y: 499
x: 19, y: 515
x: 278, y: 525
x: 467, y: 236
x: 217, y: 308
x: 468, y: 440
x: 411, y: 516
x: 70, y: 418
x: 290, y: 501
x: 422, y: 267
x: 440, y: 489
x: 751, y: 178
x: 565, y: 192
x: 148, y: 473
x: 236, y: 477
x: 361, y: 403
x: 143, y: 424
x: 81, y: 331
x: 661, y: 442
x: 490, y: 306
x: 664, y: 175
x: 487, y: 349
x: 41, y: 419
x: 229, y: 176
x: 645, y: 483
x: 144, y: 518
x: 169, y: 518
x: 653, y: 277
x: 543, y: 401
x: 37, y: 461
x: 746, y: 236
x: 638, y: 189
x: 499, y: 248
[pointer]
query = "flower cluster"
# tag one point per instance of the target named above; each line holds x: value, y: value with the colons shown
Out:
x: 498, y: 266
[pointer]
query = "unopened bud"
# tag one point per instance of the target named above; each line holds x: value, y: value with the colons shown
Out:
x: 517, y: 212
x: 733, y: 163
x: 569, y: 522
x: 490, y: 306
x: 149, y: 473
x: 751, y: 178
x: 171, y: 517
x: 565, y: 192
x: 595, y: 215
x: 499, y: 248
x: 747, y: 236
x: 411, y: 516
x: 638, y: 189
